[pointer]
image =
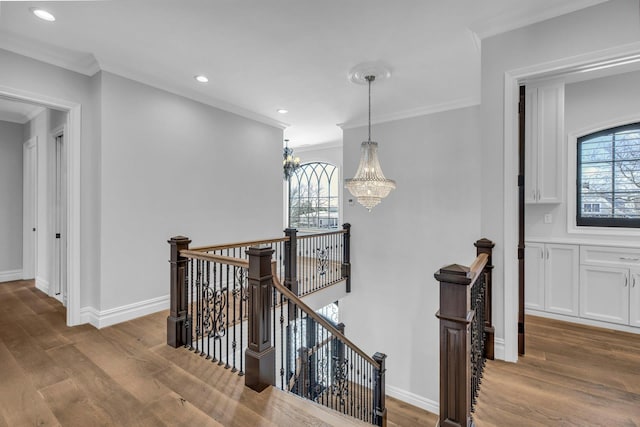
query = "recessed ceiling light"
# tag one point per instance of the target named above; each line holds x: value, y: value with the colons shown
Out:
x: 43, y: 14
x: 283, y: 111
x: 201, y: 79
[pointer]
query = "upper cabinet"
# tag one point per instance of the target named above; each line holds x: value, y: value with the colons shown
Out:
x: 544, y: 134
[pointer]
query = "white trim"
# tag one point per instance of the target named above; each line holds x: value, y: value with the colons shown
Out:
x: 572, y: 154
x: 83, y: 63
x: 498, y: 348
x: 413, y: 399
x: 103, y: 318
x: 583, y: 321
x: 415, y: 112
x: 511, y: 81
x: 73, y: 189
x: 10, y: 275
x: 42, y: 284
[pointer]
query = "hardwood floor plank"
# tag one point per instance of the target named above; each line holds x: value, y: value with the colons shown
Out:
x: 21, y: 404
x: 572, y: 375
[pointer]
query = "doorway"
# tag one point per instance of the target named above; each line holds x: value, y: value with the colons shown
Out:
x: 68, y: 260
x: 615, y: 61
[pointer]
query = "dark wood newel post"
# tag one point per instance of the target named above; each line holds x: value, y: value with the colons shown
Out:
x: 291, y: 260
x: 379, y: 390
x: 176, y: 327
x: 260, y: 365
x: 455, y: 346
x: 485, y: 246
x: 346, y: 258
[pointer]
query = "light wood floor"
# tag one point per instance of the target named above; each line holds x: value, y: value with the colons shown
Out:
x: 125, y: 375
x: 571, y: 375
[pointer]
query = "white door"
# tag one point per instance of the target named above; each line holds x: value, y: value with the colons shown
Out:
x: 634, y: 298
x: 534, y: 276
x: 29, y: 206
x: 60, y: 220
x: 561, y: 279
x: 604, y: 293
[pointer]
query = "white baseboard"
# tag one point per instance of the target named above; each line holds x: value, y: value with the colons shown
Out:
x: 104, y: 318
x: 582, y: 321
x: 413, y: 399
x: 498, y: 348
x: 42, y: 284
x: 10, y: 275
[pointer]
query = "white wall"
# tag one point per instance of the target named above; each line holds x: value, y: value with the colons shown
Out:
x: 590, y: 30
x: 431, y: 220
x: 172, y: 166
x: 11, y: 139
x: 587, y: 104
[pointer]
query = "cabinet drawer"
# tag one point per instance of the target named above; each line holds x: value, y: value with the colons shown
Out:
x: 601, y: 255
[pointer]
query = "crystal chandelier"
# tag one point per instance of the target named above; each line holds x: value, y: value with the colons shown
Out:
x: 290, y: 163
x: 369, y: 186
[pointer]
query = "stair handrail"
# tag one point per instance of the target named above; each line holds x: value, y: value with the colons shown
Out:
x: 320, y: 319
x: 239, y: 244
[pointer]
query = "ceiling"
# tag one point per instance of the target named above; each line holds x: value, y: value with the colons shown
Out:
x: 261, y: 56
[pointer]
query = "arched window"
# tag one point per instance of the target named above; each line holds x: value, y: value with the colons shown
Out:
x: 608, y: 181
x: 314, y: 198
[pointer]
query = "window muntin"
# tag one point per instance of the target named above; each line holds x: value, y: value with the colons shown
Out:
x: 608, y: 178
x: 314, y: 197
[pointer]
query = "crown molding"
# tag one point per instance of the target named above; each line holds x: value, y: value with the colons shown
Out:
x: 319, y: 146
x: 192, y: 94
x: 83, y: 63
x: 416, y: 112
x: 88, y: 65
x: 20, y: 118
x: 511, y: 20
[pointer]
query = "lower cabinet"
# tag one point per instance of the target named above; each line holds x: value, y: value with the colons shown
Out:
x: 591, y: 282
x: 551, y: 277
x: 604, y: 293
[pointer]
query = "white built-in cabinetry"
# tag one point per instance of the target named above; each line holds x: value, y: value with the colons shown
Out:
x: 610, y: 284
x: 596, y: 283
x: 544, y: 131
x: 551, y: 278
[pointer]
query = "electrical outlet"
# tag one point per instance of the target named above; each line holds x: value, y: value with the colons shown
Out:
x: 547, y: 218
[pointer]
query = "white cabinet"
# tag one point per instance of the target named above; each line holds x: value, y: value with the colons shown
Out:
x: 561, y: 285
x: 610, y: 284
x: 551, y: 278
x: 534, y: 276
x: 604, y: 293
x: 544, y: 128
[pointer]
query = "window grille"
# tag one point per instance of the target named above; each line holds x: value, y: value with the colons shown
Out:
x: 314, y: 197
x: 608, y: 178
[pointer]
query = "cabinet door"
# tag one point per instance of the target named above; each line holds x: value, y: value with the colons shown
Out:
x: 550, y: 146
x: 531, y: 146
x: 604, y: 293
x: 561, y: 279
x: 634, y: 300
x: 534, y: 276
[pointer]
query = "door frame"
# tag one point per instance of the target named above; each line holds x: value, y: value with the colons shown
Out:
x: 29, y: 209
x: 512, y: 80
x: 73, y: 135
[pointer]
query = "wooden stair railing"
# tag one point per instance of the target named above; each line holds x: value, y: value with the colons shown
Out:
x: 466, y: 334
x: 228, y: 305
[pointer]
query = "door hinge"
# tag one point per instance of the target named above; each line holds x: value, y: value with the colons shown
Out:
x: 57, y: 235
x: 521, y: 327
x: 520, y: 180
x: 520, y: 253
